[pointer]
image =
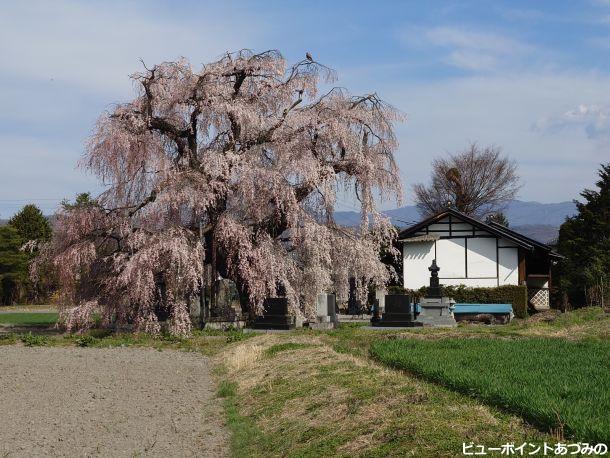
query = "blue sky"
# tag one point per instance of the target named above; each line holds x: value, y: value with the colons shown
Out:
x: 531, y: 77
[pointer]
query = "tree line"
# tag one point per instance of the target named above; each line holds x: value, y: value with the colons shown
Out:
x: 19, y: 242
x: 582, y: 278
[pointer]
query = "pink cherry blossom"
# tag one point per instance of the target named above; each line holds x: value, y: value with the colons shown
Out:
x: 238, y: 166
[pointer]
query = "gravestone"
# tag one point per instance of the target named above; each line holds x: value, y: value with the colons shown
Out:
x: 326, y: 316
x: 380, y: 294
x: 225, y: 311
x: 399, y: 312
x: 435, y: 309
x: 228, y: 306
x: 354, y: 305
x: 275, y: 315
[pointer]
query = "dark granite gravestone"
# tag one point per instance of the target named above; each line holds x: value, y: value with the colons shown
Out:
x: 398, y: 312
x: 275, y: 316
x: 435, y: 289
x: 354, y: 306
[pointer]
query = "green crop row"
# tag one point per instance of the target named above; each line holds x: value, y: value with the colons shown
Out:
x: 558, y: 385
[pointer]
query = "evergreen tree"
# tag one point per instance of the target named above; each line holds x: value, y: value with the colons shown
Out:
x: 13, y: 266
x: 31, y: 224
x: 585, y: 241
x: 82, y: 200
x: 498, y: 218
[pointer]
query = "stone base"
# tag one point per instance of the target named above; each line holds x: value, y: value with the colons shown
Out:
x: 435, y: 312
x: 322, y: 326
x: 224, y: 325
x: 341, y: 318
x: 396, y: 324
x: 274, y: 322
x: 323, y: 322
x: 401, y: 320
x: 398, y: 312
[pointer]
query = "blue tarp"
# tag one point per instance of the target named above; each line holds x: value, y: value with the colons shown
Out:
x: 480, y: 308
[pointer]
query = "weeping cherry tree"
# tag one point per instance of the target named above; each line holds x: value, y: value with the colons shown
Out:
x: 237, y: 165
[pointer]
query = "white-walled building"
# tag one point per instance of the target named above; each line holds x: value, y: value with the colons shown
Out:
x: 473, y: 253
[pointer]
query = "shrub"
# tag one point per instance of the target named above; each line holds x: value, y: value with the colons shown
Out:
x: 85, y: 341
x: 506, y: 294
x: 395, y: 289
x: 31, y: 340
x: 234, y: 335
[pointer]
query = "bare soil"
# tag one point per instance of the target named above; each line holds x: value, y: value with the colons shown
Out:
x: 107, y: 402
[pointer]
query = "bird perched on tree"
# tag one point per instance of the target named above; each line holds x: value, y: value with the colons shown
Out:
x: 308, y: 56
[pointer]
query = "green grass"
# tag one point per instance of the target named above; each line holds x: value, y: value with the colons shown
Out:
x: 243, y: 430
x: 29, y: 319
x: 553, y: 383
x: 286, y: 346
x: 302, y: 399
x: 208, y: 344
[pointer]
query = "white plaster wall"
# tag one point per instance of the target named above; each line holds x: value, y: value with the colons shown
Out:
x: 451, y: 258
x: 462, y: 227
x: 473, y: 282
x: 482, y: 260
x: 509, y: 266
x: 438, y: 227
x: 417, y: 257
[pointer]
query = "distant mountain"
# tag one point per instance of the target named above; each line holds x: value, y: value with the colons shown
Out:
x: 520, y: 213
x: 544, y: 233
x: 533, y: 219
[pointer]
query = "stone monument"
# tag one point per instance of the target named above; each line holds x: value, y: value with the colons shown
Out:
x: 399, y: 312
x: 326, y: 316
x: 275, y: 316
x: 435, y: 310
x: 354, y: 305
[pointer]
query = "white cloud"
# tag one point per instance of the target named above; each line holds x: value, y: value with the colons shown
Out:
x: 97, y: 45
x: 594, y: 120
x: 62, y: 62
x: 445, y: 116
x: 467, y: 49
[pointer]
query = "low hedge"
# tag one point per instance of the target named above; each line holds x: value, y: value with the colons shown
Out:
x: 506, y: 294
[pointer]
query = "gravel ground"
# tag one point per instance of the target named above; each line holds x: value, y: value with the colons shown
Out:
x: 107, y: 402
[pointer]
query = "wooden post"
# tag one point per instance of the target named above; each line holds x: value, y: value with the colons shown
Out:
x: 521, y: 267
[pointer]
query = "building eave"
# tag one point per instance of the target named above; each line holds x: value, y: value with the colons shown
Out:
x: 507, y: 233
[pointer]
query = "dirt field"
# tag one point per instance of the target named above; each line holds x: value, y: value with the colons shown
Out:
x: 107, y: 402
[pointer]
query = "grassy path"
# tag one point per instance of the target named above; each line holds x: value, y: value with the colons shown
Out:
x: 293, y: 395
